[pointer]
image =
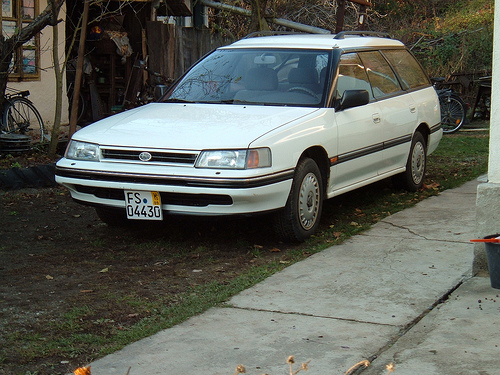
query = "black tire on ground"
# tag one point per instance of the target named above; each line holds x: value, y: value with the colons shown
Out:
x: 413, y: 178
x: 300, y: 218
x: 114, y: 217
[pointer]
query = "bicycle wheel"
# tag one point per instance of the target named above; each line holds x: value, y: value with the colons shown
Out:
x: 21, y: 116
x: 453, y: 111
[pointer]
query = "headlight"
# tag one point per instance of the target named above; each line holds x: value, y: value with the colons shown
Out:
x: 235, y: 159
x: 82, y: 151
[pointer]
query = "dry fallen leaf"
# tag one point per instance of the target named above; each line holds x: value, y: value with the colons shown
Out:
x: 275, y: 250
x: 48, y: 277
x: 104, y: 270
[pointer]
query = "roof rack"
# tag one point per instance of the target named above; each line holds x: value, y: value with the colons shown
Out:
x: 271, y: 33
x: 342, y: 34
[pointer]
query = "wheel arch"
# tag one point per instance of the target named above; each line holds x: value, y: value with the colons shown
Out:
x: 320, y: 157
x: 424, y: 129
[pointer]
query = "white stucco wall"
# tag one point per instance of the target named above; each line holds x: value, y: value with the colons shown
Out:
x: 488, y: 194
x: 494, y: 157
x: 43, y: 91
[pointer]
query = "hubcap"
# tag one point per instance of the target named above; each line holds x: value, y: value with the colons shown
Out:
x: 418, y: 163
x: 309, y: 196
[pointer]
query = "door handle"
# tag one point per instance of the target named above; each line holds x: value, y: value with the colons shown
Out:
x: 376, y: 118
x: 413, y: 109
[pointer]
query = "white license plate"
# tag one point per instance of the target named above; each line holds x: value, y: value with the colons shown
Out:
x: 143, y: 205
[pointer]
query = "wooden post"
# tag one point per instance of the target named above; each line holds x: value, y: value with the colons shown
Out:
x: 362, y: 17
x: 79, y: 71
x: 170, y: 45
x: 340, y: 16
x: 144, y: 55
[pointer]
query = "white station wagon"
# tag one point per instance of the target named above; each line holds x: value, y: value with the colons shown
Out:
x: 270, y: 124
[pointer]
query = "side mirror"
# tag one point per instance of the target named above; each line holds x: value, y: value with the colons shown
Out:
x: 353, y: 98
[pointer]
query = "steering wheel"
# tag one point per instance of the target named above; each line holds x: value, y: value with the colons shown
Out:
x: 303, y: 90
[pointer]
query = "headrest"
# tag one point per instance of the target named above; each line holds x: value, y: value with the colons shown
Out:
x: 303, y: 75
x: 261, y: 79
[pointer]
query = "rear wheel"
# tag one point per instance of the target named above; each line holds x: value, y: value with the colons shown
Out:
x: 453, y: 111
x: 20, y: 116
x: 413, y: 178
x: 299, y: 219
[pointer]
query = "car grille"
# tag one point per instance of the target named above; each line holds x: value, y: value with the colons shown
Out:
x: 156, y: 156
x: 179, y: 199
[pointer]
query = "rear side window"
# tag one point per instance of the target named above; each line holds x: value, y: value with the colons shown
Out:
x: 407, y: 68
x: 382, y: 78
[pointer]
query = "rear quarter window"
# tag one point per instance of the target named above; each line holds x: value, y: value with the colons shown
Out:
x: 407, y: 68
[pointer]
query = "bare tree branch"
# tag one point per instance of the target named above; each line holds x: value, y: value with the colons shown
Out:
x: 9, y: 45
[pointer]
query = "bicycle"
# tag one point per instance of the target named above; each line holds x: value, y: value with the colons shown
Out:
x: 20, y: 116
x: 137, y: 92
x: 453, y: 108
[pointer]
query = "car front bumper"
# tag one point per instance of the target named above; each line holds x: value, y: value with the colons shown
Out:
x: 181, y: 194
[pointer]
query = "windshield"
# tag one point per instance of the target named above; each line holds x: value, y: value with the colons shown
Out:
x: 256, y: 76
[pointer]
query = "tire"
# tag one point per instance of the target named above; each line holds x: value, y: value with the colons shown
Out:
x: 114, y: 217
x: 20, y: 116
x: 453, y: 112
x: 300, y: 217
x: 413, y: 178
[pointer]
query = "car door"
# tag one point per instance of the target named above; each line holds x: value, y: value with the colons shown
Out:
x: 398, y: 111
x: 360, y: 139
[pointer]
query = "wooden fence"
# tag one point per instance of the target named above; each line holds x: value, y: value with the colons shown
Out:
x: 173, y: 49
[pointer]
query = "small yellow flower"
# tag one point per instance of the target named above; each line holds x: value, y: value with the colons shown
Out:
x: 304, y: 366
x: 390, y: 368
x: 240, y: 369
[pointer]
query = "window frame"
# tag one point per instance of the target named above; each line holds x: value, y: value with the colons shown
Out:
x: 379, y: 79
x: 18, y: 69
x: 403, y: 67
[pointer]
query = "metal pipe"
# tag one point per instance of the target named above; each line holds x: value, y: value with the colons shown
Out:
x: 277, y: 21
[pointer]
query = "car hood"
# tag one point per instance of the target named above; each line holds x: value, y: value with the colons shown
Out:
x: 189, y: 126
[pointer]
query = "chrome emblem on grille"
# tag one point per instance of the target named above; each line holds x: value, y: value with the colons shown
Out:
x: 145, y: 156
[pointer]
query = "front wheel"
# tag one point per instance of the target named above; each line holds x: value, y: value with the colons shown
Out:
x: 112, y: 216
x: 300, y: 217
x: 413, y: 178
x: 453, y: 111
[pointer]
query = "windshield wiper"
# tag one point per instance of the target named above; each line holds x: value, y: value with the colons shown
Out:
x: 176, y: 100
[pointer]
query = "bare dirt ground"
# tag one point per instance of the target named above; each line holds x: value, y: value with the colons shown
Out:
x: 56, y: 255
x: 59, y: 262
